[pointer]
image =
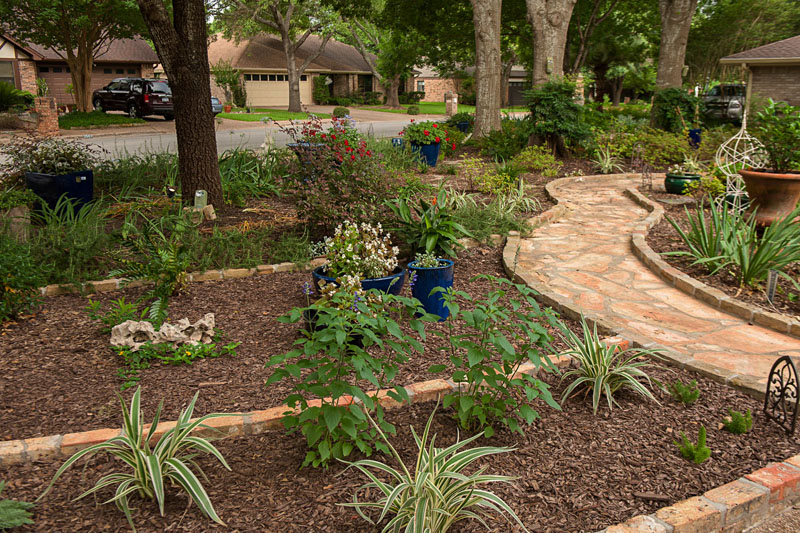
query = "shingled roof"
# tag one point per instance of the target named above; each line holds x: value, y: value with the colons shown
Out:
x: 265, y: 52
x: 134, y: 50
x: 782, y: 52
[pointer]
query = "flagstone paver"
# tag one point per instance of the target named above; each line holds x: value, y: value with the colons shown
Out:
x: 584, y: 262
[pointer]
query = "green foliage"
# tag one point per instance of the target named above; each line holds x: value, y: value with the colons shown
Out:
x: 437, y: 493
x: 453, y: 141
x: 393, y: 158
x: 11, y: 198
x: 341, y: 112
x: 778, y: 127
x: 249, y: 174
x: 604, y: 369
x: 291, y: 248
x: 354, y: 339
x: 138, y: 360
x: 227, y: 78
x: 411, y: 97
x: 673, y: 109
x: 463, y: 116
x: 137, y: 174
x: 686, y: 394
x: 538, y: 159
x: 429, y: 226
x: 42, y: 88
x: 487, y: 344
x: 738, y: 423
x: 239, y: 95
x: 120, y: 311
x: 21, y: 278
x: 508, y: 141
x: 502, y: 214
x: 606, y: 162
x: 426, y: 260
x: 426, y: 132
x: 694, y: 452
x: 555, y: 114
x: 13, y: 513
x: 46, y: 155
x: 708, y: 238
x: 321, y: 93
x: 79, y: 119
x: 413, y: 110
x: 12, y: 98
x: 708, y: 187
x: 170, y: 460
x: 660, y: 148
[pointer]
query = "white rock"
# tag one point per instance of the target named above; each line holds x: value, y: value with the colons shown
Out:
x: 134, y: 334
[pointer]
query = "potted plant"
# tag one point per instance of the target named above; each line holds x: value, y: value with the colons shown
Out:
x: 681, y: 175
x: 427, y: 273
x: 463, y: 121
x: 425, y: 138
x: 360, y: 255
x: 227, y: 108
x: 775, y: 191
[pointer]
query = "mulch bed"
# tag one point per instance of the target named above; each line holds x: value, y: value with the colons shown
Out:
x: 60, y: 375
x: 576, y: 471
x: 663, y: 238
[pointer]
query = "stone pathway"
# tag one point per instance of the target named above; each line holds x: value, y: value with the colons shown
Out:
x: 584, y: 261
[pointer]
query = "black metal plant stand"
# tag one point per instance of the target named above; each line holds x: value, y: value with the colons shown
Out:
x: 638, y: 163
x: 782, y: 398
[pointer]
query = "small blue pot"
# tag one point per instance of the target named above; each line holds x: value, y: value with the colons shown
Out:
x: 463, y: 127
x: 429, y: 153
x: 427, y: 280
x: 694, y: 137
x: 398, y: 142
x: 392, y: 283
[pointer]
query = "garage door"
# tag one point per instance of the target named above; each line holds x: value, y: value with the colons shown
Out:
x: 58, y: 77
x: 272, y: 90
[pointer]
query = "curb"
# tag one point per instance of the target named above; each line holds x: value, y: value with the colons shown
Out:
x: 685, y: 283
x: 114, y: 284
x: 236, y: 424
x: 735, y: 506
x: 743, y: 383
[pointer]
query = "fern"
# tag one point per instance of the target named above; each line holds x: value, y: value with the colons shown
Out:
x: 694, y: 452
x: 738, y: 423
x: 13, y: 513
x: 686, y: 394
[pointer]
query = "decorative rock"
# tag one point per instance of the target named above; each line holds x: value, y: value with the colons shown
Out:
x: 134, y: 333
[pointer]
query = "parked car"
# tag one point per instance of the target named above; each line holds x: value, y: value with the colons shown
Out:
x: 216, y: 106
x: 726, y: 101
x: 137, y: 96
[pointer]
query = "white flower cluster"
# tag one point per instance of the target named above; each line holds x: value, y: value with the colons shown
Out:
x: 363, y: 251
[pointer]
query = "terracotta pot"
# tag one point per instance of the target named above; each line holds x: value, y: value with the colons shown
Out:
x: 226, y: 108
x: 775, y: 195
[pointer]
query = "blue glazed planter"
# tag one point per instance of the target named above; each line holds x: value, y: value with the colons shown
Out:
x: 427, y: 280
x: 77, y: 186
x: 429, y: 153
x: 392, y: 284
x: 463, y: 127
x: 694, y: 137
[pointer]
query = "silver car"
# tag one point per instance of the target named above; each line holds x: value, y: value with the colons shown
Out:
x: 726, y: 101
x: 216, y: 106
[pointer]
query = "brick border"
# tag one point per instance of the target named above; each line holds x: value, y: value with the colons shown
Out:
x: 685, y: 283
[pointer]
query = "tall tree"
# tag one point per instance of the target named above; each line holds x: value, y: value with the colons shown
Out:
x: 294, y: 21
x: 78, y: 31
x: 550, y: 22
x: 488, y: 66
x: 676, y: 19
x: 181, y: 42
x: 594, y: 12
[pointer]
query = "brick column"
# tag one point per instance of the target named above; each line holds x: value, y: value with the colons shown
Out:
x: 27, y: 75
x: 47, y: 113
x: 147, y: 70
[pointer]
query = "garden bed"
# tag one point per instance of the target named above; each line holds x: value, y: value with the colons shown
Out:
x: 576, y: 471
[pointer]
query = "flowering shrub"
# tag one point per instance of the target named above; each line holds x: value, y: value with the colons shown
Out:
x: 46, y: 156
x: 427, y: 132
x: 360, y: 250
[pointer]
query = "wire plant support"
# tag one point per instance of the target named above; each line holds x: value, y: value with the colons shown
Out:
x: 740, y: 151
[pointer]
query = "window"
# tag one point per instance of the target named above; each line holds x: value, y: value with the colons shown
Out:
x: 303, y: 77
x: 421, y: 86
x: 120, y: 71
x: 44, y: 69
x: 271, y: 77
x: 67, y: 69
x: 56, y: 69
x: 136, y: 87
x: 107, y: 71
x: 364, y: 83
x: 124, y: 86
x: 131, y: 71
x: 7, y: 72
x: 247, y: 77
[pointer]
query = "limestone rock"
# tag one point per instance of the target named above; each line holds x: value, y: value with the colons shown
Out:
x: 134, y: 334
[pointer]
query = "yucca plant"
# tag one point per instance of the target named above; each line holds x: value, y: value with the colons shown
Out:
x: 606, y: 162
x: 172, y: 459
x: 437, y: 493
x: 605, y: 368
x: 708, y: 241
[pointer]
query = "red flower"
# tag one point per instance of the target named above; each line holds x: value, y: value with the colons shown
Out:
x: 438, y: 140
x: 435, y: 125
x: 434, y: 200
x: 352, y: 157
x: 323, y: 135
x: 426, y: 132
x: 333, y: 137
x: 368, y: 153
x: 346, y: 143
x: 454, y: 146
x: 348, y: 149
x: 313, y: 133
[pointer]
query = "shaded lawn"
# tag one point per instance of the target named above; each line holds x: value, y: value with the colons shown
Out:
x: 79, y: 119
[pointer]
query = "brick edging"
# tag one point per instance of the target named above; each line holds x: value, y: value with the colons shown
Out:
x: 733, y: 507
x: 687, y: 284
x: 114, y: 284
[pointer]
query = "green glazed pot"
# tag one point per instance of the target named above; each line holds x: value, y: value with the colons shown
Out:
x: 676, y: 183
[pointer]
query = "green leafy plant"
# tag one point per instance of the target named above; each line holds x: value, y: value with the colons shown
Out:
x: 487, y: 344
x: 150, y: 468
x: 120, y: 311
x: 46, y: 155
x: 249, y: 174
x: 413, y: 110
x: 20, y: 276
x: 463, y: 116
x: 686, y: 394
x: 364, y: 251
x: 604, y: 369
x: 777, y: 126
x: 12, y: 98
x: 429, y: 226
x: 694, y: 452
x: 227, y: 78
x: 353, y: 338
x: 673, y: 109
x: 13, y: 513
x: 606, y: 162
x: 426, y: 132
x: 708, y: 238
x: 508, y: 141
x: 708, y: 187
x: 556, y: 116
x: 41, y: 87
x: 738, y: 423
x: 426, y: 260
x: 539, y: 159
x: 341, y: 112
x: 437, y: 492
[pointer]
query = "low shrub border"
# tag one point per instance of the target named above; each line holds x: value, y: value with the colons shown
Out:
x: 685, y: 283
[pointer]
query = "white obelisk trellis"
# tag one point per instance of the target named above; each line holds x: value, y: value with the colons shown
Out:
x: 741, y: 150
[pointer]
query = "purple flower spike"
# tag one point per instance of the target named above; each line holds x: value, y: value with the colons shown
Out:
x: 412, y: 280
x: 307, y: 290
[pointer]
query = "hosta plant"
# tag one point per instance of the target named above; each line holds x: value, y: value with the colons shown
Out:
x: 438, y: 491
x: 605, y: 369
x: 150, y: 470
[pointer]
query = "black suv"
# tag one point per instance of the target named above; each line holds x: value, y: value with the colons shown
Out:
x: 136, y: 96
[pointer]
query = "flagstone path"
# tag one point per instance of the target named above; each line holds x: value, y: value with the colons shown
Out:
x: 583, y: 262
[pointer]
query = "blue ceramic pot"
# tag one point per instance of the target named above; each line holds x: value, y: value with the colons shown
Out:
x: 463, y: 127
x: 429, y: 153
x: 694, y: 137
x: 76, y: 186
x: 392, y: 283
x: 427, y: 280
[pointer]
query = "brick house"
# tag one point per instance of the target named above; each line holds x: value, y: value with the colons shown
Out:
x: 427, y: 80
x: 21, y: 64
x: 774, y: 69
x: 262, y: 63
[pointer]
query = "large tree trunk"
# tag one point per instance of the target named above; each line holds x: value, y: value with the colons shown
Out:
x: 295, y: 105
x: 676, y: 19
x: 504, y: 79
x: 392, y: 88
x: 181, y: 46
x: 550, y: 22
x: 80, y: 68
x: 618, y: 84
x: 488, y: 66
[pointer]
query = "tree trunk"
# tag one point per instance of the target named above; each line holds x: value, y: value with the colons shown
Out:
x: 80, y: 67
x: 295, y: 104
x: 594, y: 20
x: 550, y: 22
x: 676, y: 19
x: 392, y: 88
x: 618, y: 84
x: 488, y: 66
x: 181, y: 46
x: 504, y: 78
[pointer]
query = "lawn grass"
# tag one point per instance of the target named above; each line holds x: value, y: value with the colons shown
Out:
x: 78, y: 119
x: 437, y: 108
x: 274, y: 114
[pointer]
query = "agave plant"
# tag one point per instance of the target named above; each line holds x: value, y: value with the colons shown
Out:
x: 437, y: 494
x: 605, y: 368
x: 172, y: 459
x: 606, y: 162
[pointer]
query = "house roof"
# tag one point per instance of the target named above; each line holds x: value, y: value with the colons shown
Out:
x: 782, y: 52
x: 134, y: 50
x: 265, y: 52
x: 26, y: 49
